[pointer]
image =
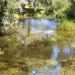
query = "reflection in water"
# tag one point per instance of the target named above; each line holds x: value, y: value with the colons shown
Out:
x: 55, y: 53
x: 55, y: 71
x: 41, y: 22
x: 67, y: 51
x: 47, y: 27
x: 41, y: 26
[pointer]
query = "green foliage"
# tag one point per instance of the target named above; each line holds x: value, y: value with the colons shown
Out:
x: 9, y: 45
x: 65, y: 33
x: 60, y: 8
x: 71, y: 12
x: 67, y: 28
x: 7, y: 11
x: 54, y: 9
x: 13, y: 4
x: 3, y: 6
x: 12, y: 7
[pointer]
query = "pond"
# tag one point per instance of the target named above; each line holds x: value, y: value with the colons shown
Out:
x: 43, y: 26
x: 47, y: 27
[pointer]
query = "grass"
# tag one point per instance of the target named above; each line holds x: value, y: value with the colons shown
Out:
x: 36, y: 63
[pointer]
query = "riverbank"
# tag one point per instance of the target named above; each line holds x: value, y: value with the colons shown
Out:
x: 27, y: 64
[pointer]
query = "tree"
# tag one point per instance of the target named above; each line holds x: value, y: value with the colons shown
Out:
x: 71, y: 11
x: 29, y: 1
x: 73, y: 2
x: 3, y: 5
x: 11, y: 7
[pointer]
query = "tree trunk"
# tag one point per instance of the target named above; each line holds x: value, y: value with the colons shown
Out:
x: 29, y: 1
x: 73, y: 2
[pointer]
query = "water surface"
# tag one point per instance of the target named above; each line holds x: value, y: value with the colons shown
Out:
x: 48, y: 27
x: 44, y: 26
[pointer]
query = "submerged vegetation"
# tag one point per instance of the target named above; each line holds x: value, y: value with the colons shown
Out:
x: 21, y: 50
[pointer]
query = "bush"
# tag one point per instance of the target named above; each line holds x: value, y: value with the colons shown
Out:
x: 71, y: 12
